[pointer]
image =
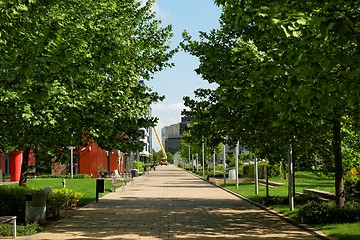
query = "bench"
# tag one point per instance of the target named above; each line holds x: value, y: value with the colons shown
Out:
x: 125, y: 176
x: 9, y: 219
x: 322, y: 194
x: 116, y: 184
x: 271, y: 184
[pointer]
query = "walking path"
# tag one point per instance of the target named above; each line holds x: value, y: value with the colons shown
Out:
x: 171, y: 204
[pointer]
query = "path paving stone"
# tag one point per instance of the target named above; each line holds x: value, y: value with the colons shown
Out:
x: 170, y: 203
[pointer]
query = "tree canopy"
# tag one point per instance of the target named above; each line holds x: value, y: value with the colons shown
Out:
x: 70, y: 72
x: 288, y: 72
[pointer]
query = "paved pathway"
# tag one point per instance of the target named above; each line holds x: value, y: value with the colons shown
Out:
x: 171, y: 204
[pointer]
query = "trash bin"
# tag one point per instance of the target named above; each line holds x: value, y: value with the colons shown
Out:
x: 35, y: 210
x: 100, y: 187
x: 232, y: 174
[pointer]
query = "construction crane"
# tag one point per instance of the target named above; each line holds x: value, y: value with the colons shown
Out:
x: 164, y: 159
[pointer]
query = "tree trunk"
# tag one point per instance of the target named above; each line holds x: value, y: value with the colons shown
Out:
x: 24, y: 167
x: 339, y: 179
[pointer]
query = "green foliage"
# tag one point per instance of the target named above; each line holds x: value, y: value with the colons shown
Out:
x: 13, y: 200
x: 21, y: 230
x: 302, y: 58
x: 248, y: 170
x: 352, y: 184
x: 156, y: 156
x: 284, y: 200
x: 138, y: 165
x: 76, y: 176
x: 73, y: 69
x: 318, y: 212
x: 170, y: 157
x: 62, y: 198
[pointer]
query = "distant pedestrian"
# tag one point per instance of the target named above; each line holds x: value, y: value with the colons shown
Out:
x: 133, y: 172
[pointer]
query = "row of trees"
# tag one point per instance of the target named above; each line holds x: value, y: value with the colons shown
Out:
x: 70, y: 73
x: 287, y: 73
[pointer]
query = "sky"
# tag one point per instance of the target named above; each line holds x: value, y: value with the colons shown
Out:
x: 179, y: 81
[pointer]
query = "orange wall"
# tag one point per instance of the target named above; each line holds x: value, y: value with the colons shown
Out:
x: 92, y: 156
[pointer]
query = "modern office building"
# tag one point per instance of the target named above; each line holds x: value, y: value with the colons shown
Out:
x: 172, y: 134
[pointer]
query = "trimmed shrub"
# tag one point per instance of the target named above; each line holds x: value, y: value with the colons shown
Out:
x: 275, y: 200
x: 81, y: 176
x: 249, y: 170
x: 13, y: 199
x: 138, y: 165
x: 284, y: 200
x: 26, y: 230
x: 328, y: 213
x: 76, y: 176
x: 61, y: 198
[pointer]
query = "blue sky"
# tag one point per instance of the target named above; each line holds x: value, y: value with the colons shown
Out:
x: 181, y: 80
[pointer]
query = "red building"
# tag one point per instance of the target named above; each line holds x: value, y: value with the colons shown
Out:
x: 91, y: 160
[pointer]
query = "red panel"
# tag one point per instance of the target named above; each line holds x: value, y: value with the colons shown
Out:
x: 15, y: 166
x: 91, y: 158
x: 114, y: 161
x: 3, y: 162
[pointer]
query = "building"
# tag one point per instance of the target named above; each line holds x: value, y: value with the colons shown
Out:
x: 172, y: 134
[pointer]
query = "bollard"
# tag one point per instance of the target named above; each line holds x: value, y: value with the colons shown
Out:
x: 100, y: 187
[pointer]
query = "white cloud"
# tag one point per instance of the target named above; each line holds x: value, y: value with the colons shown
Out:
x: 155, y: 8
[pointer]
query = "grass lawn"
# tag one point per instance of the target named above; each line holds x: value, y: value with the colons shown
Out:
x: 303, y: 180
x: 85, y: 186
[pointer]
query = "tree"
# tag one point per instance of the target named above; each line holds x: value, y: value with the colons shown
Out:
x: 286, y: 73
x: 70, y: 73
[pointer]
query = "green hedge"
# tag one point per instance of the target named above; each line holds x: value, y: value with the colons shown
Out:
x: 284, y: 200
x: 248, y: 170
x: 75, y: 176
x: 13, y: 201
x: 62, y: 198
x: 26, y: 230
x: 316, y: 212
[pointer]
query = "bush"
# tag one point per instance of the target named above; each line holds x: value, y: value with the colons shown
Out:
x: 276, y: 200
x: 76, y: 176
x: 352, y: 184
x: 138, y: 165
x: 328, y: 213
x: 26, y: 230
x: 62, y: 198
x: 81, y: 176
x: 13, y: 199
x: 284, y: 200
x: 273, y: 170
x: 248, y: 170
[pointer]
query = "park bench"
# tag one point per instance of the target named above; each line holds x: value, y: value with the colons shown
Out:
x: 322, y: 194
x: 124, y: 176
x: 272, y: 184
x: 9, y: 219
x: 116, y: 184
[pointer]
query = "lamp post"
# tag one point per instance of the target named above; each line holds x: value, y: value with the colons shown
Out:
x: 224, y: 164
x: 203, y: 157
x: 72, y: 162
x: 214, y: 163
x: 256, y: 177
x: 237, y: 164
